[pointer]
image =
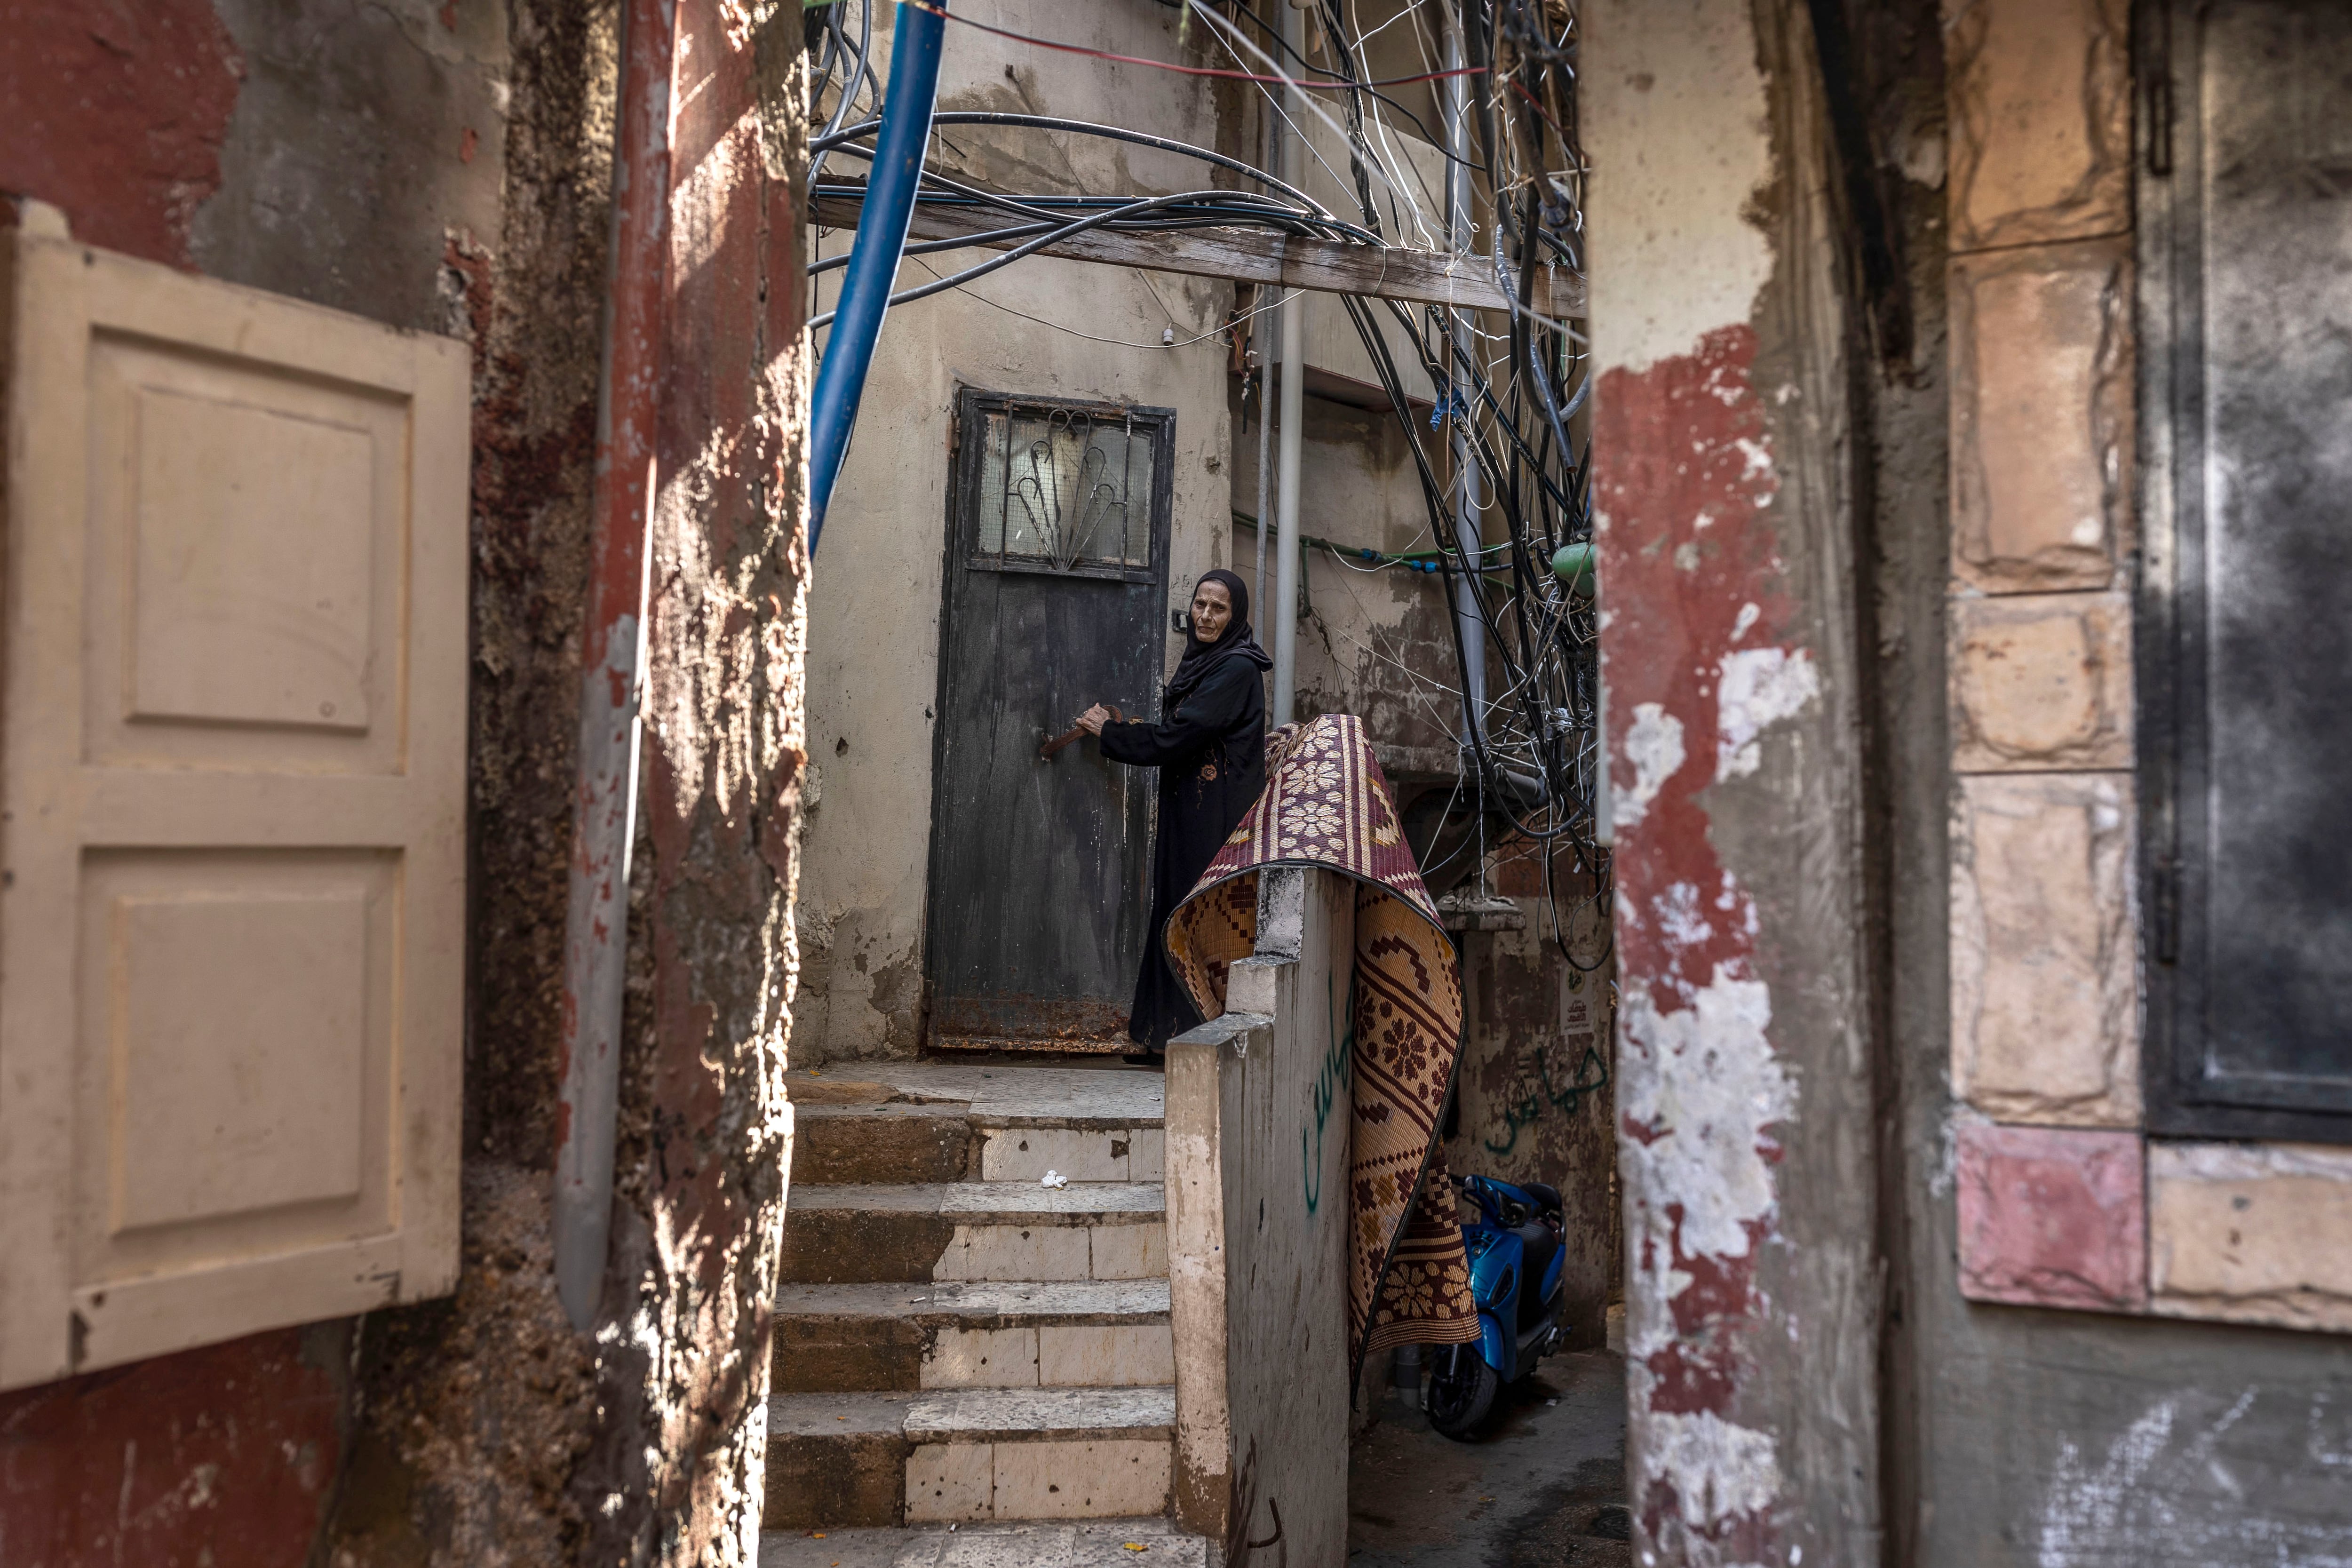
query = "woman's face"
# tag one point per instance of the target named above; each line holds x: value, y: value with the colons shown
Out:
x: 1213, y: 611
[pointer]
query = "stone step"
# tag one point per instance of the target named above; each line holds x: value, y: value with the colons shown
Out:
x: 840, y: 1144
x: 836, y: 1145
x: 875, y: 1459
x: 975, y: 1230
x: 1101, y: 1099
x: 980, y: 1334
x: 1021, y: 1154
x: 1095, y: 1543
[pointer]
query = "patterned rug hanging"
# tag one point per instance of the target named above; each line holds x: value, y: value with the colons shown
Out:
x: 1327, y: 805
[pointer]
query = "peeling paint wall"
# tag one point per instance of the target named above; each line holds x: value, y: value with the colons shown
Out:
x: 117, y: 115
x: 1744, y: 1093
x: 318, y: 151
x: 369, y: 137
x: 226, y: 1454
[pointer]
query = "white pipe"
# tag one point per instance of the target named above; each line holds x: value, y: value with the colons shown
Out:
x: 1284, y: 609
x: 1466, y: 498
x: 1270, y: 342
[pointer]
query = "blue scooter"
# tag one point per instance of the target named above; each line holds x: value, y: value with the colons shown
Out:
x: 1518, y: 1279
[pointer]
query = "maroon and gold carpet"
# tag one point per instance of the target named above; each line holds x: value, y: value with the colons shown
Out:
x: 1328, y: 806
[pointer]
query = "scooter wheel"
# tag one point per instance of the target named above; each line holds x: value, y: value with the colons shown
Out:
x: 1461, y: 1394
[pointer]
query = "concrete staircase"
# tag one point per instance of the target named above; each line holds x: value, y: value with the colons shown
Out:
x: 972, y: 1369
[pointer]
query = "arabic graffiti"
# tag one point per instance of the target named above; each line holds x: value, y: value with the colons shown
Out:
x: 1331, y: 1078
x: 1591, y: 1078
x: 1241, y: 1508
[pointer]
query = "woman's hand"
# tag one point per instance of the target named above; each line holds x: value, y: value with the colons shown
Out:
x: 1094, y: 719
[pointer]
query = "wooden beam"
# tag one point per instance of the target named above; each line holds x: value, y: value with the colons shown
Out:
x: 1257, y: 256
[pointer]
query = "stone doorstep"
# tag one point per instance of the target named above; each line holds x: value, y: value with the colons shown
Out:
x: 844, y: 1144
x: 994, y: 1119
x: 1093, y: 1544
x: 995, y: 1203
x: 993, y: 1095
x: 1024, y: 1153
x: 983, y: 1304
x: 1002, y: 1113
x: 872, y: 1459
x: 848, y: 1145
x: 975, y: 1230
x: 978, y: 1414
x: 841, y: 1338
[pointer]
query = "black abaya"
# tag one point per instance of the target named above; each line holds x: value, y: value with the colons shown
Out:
x: 1211, y: 754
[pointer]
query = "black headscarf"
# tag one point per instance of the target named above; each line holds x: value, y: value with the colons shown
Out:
x: 1201, y: 657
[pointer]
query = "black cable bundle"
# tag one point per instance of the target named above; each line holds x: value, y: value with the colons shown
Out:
x: 1535, y: 762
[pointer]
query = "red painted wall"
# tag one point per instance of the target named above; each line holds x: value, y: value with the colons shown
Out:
x: 219, y: 1458
x: 114, y: 111
x: 1688, y: 441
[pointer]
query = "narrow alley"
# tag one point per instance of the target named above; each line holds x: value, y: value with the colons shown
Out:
x: 1239, y: 783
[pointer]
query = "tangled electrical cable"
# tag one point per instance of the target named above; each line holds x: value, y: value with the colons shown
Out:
x: 1510, y: 394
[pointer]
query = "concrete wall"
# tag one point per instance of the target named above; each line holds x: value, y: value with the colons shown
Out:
x: 1032, y: 329
x: 1257, y: 1110
x: 1371, y: 642
x: 1536, y: 1090
x: 1374, y: 643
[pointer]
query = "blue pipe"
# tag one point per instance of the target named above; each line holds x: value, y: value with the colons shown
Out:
x: 915, y: 35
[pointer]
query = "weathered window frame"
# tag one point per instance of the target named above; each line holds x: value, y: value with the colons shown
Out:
x: 2186, y: 1095
x: 973, y: 406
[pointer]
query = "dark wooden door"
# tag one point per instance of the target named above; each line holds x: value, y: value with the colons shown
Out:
x: 1056, y: 594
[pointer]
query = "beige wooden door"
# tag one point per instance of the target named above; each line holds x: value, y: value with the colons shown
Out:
x: 232, y: 767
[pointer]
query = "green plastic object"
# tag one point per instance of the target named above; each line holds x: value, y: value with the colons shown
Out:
x: 1572, y: 564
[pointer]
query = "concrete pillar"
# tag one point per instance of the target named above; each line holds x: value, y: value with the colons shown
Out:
x: 1258, y: 1118
x: 1745, y: 1097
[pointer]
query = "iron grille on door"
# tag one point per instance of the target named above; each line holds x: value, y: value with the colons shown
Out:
x: 1063, y: 488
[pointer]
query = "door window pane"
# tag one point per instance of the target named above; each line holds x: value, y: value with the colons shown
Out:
x: 1065, y: 488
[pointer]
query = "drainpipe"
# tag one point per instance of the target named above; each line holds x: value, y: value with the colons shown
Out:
x: 595, y: 934
x: 914, y: 40
x: 1263, y: 523
x: 1458, y: 193
x: 1293, y: 315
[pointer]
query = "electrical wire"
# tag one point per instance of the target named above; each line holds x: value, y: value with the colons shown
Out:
x: 1164, y: 65
x: 1217, y: 331
x: 1512, y: 387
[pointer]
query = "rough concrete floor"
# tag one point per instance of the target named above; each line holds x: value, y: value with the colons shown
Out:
x: 1545, y: 1490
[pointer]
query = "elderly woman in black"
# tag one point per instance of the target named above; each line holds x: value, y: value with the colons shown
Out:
x: 1209, y: 748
